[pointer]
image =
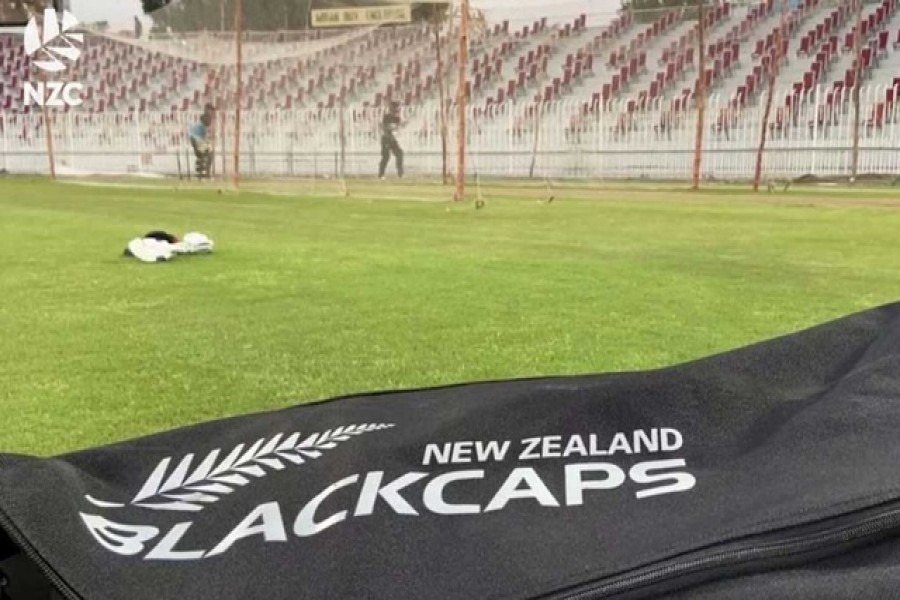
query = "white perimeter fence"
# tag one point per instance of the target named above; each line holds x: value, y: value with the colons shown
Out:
x: 809, y: 133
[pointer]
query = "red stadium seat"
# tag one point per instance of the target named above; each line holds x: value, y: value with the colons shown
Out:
x: 848, y: 42
x: 849, y: 78
x: 883, y: 37
x: 866, y: 55
x: 760, y: 48
x: 877, y: 118
x: 816, y: 69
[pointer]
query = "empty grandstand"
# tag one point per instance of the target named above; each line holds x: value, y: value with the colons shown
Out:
x: 607, y: 96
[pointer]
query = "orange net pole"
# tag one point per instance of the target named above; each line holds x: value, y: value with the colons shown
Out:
x: 774, y: 68
x: 461, y: 102
x: 701, y: 95
x: 239, y: 38
x: 857, y: 76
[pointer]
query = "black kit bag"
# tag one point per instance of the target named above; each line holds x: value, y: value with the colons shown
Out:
x: 769, y: 472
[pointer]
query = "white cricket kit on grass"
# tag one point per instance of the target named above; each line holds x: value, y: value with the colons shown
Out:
x: 152, y: 250
x: 194, y: 243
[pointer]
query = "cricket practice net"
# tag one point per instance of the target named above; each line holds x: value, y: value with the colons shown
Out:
x: 299, y: 101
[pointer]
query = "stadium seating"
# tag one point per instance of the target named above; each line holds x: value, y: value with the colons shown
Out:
x: 654, y: 63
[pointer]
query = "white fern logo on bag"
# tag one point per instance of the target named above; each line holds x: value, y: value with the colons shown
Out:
x: 192, y: 485
x: 186, y: 489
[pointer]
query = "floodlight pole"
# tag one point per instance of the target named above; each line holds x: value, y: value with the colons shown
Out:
x: 239, y: 38
x: 461, y: 102
x: 701, y: 95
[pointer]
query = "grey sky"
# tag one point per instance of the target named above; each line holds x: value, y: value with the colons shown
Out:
x: 120, y: 13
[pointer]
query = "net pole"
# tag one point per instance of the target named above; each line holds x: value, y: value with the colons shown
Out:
x: 48, y: 132
x: 343, y: 125
x: 774, y: 68
x: 538, y: 110
x: 239, y: 38
x: 440, y: 82
x: 701, y: 95
x: 857, y: 74
x: 224, y: 156
x: 448, y: 72
x: 461, y: 102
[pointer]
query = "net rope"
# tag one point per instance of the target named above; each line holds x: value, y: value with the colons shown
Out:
x: 218, y: 48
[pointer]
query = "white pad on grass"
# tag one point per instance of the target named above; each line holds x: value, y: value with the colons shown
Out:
x: 150, y: 250
x: 195, y: 243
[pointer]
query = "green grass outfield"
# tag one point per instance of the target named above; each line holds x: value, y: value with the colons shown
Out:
x: 307, y: 298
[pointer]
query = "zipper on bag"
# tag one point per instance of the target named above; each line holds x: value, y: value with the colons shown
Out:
x: 22, y: 544
x: 826, y: 538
